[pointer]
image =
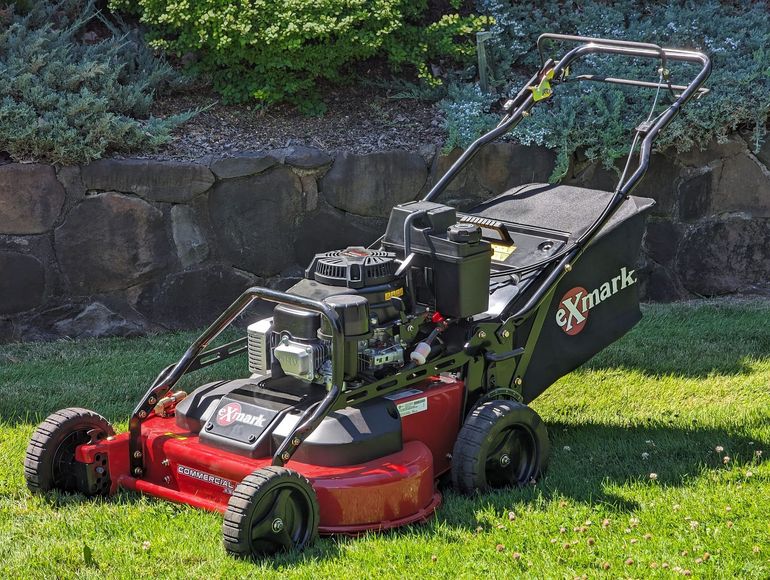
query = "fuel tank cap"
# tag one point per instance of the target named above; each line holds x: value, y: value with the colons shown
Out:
x: 464, y: 233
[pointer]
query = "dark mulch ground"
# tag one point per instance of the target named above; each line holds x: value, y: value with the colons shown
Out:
x: 358, y: 119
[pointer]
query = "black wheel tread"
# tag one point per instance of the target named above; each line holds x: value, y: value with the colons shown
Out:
x: 465, y: 464
x: 36, y: 468
x: 241, y: 500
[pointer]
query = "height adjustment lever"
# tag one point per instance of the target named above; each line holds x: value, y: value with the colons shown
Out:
x: 543, y: 89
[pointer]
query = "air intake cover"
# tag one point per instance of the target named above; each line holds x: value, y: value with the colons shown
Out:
x: 353, y: 267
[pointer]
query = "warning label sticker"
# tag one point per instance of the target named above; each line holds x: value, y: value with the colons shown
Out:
x: 501, y: 252
x: 412, y: 407
x: 398, y: 292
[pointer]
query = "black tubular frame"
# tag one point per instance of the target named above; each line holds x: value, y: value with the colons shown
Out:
x: 482, y: 344
x: 196, y: 357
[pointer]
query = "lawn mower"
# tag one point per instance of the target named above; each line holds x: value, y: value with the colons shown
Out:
x: 388, y: 367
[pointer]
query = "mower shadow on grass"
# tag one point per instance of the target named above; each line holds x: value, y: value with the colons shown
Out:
x: 599, y: 457
x: 589, y: 460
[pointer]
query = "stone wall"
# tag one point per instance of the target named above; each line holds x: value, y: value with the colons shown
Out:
x: 709, y: 234
x: 123, y: 246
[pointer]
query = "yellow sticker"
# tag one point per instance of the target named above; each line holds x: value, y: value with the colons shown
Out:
x: 398, y: 292
x: 501, y: 252
x: 175, y: 436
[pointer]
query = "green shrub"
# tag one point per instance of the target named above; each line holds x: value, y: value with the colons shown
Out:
x: 64, y: 101
x: 466, y: 114
x: 280, y: 51
x: 598, y: 119
x: 414, y: 44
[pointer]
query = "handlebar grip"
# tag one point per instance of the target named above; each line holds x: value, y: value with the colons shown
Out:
x: 605, y: 41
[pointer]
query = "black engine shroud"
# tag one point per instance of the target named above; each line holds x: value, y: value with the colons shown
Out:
x: 252, y: 417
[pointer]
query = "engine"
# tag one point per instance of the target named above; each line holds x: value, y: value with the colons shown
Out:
x: 362, y: 286
x: 392, y: 306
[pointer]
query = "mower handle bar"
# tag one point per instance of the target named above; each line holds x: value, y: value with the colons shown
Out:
x: 171, y: 375
x: 606, y: 41
x: 520, y: 105
x: 623, y: 189
x: 662, y: 54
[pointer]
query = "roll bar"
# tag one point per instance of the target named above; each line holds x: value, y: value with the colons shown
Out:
x: 193, y: 356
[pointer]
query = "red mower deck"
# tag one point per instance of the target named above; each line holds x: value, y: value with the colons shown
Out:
x: 391, y: 491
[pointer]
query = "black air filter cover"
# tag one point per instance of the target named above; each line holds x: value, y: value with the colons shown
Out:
x: 353, y: 267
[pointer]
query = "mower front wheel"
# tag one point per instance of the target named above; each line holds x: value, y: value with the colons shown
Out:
x: 502, y: 443
x: 50, y: 459
x: 272, y: 509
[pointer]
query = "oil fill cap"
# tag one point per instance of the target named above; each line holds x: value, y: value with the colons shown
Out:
x: 464, y: 233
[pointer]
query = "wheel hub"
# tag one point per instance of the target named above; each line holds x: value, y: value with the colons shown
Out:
x: 277, y: 525
x: 511, y: 459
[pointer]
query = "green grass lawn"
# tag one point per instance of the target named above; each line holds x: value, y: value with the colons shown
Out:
x: 684, y: 396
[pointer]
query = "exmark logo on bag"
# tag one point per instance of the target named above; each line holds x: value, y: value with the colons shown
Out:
x: 231, y: 413
x: 572, y: 314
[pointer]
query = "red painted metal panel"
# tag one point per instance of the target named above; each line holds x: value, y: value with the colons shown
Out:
x: 439, y: 424
x: 387, y: 492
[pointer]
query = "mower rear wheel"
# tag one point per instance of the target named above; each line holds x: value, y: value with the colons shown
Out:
x: 272, y: 509
x: 502, y: 443
x: 50, y: 460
